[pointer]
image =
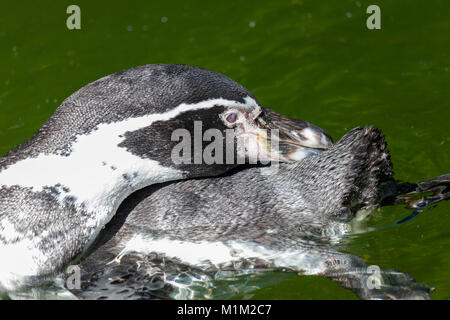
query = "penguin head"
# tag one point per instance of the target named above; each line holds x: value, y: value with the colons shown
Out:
x: 185, y: 118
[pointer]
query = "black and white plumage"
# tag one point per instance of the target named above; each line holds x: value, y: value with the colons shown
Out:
x: 109, y: 139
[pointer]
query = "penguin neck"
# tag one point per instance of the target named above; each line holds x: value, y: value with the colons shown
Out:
x: 93, y: 181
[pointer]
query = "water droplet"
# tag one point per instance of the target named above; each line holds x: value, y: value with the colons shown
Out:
x: 164, y: 19
x: 252, y: 24
x: 130, y: 28
x: 242, y: 58
x: 348, y: 14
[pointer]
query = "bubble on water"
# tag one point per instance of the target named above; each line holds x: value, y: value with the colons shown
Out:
x: 164, y: 19
x: 242, y: 58
x: 348, y: 14
x: 130, y: 28
x: 252, y: 24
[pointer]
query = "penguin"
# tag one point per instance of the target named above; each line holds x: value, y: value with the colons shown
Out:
x: 117, y: 135
x: 168, y: 238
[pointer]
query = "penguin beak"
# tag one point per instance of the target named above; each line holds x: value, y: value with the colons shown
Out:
x: 284, y: 139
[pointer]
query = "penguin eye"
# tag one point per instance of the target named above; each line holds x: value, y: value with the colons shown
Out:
x: 231, y: 118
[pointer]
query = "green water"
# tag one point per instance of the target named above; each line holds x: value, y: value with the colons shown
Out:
x: 314, y: 60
